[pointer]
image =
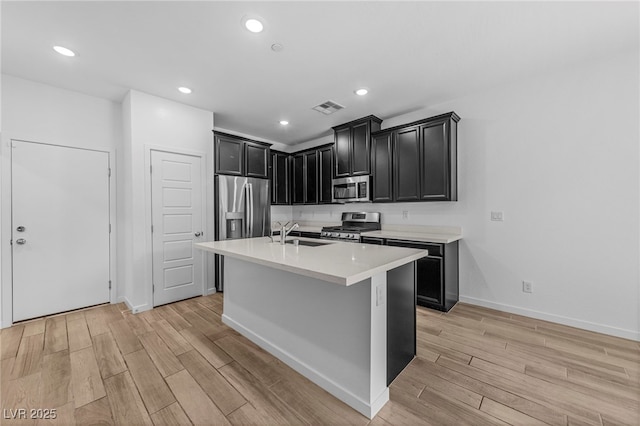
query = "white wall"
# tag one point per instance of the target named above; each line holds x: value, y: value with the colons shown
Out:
x: 152, y: 122
x: 40, y: 113
x: 559, y: 155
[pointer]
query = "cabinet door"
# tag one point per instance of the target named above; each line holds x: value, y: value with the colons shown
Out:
x: 406, y: 165
x: 434, y: 161
x: 311, y: 177
x: 381, y: 163
x: 325, y: 175
x: 343, y: 152
x: 430, y: 281
x: 257, y: 160
x: 280, y: 185
x: 229, y: 156
x: 298, y: 179
x: 360, y: 149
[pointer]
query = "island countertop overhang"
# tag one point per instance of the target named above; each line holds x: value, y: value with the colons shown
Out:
x: 341, y: 263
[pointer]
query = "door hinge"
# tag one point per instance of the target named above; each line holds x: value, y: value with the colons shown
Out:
x: 109, y: 228
x: 152, y: 229
x: 150, y: 169
x: 109, y: 284
x: 10, y: 242
x: 109, y: 171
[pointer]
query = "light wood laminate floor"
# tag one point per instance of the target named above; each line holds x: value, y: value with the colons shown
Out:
x: 178, y: 364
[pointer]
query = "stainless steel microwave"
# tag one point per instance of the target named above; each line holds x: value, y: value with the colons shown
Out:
x: 351, y: 189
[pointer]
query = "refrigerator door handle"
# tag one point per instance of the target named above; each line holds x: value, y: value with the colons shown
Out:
x: 250, y: 187
x: 245, y: 218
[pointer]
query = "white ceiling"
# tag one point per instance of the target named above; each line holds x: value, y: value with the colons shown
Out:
x: 410, y: 55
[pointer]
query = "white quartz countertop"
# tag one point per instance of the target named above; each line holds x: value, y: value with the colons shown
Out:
x: 337, y: 262
x: 429, y: 237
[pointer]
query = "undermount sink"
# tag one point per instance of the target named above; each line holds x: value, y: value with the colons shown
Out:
x: 307, y: 243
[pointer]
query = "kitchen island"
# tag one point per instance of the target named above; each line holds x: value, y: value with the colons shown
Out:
x: 325, y: 309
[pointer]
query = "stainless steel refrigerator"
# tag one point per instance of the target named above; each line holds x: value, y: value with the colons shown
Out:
x: 243, y: 210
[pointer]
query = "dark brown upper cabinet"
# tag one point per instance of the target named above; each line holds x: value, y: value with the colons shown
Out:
x: 325, y: 177
x: 382, y: 167
x: 406, y: 164
x: 280, y: 178
x: 416, y: 161
x: 239, y: 156
x: 312, y: 175
x: 353, y: 146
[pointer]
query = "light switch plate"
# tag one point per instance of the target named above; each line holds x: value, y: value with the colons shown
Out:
x: 497, y: 216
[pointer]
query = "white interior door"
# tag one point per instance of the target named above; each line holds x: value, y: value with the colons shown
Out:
x: 60, y: 228
x: 176, y: 209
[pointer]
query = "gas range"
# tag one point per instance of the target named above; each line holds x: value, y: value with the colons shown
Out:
x: 353, y: 223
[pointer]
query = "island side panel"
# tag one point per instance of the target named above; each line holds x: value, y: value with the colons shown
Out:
x: 334, y: 335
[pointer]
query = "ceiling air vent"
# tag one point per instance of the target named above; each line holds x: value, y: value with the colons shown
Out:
x: 328, y: 107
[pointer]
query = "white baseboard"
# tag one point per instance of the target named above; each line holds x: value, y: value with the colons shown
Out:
x: 559, y: 319
x: 369, y: 410
x: 210, y: 291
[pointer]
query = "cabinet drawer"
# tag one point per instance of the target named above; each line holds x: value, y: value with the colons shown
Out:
x: 435, y: 250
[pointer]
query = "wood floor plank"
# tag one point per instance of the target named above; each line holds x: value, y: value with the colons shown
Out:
x: 125, y: 338
x: 55, y: 335
x: 154, y: 391
x: 209, y: 350
x: 22, y: 393
x: 316, y: 394
x: 540, y: 395
x: 170, y: 416
x: 250, y: 359
x: 225, y: 396
x: 11, y: 338
x: 173, y: 318
x: 137, y: 324
x: 203, y: 326
x: 196, y: 403
x: 34, y: 327
x: 151, y: 316
x: 95, y: 413
x: 56, y: 379
x: 174, y: 340
x: 126, y: 405
x: 166, y: 362
x: 97, y: 320
x: 507, y: 414
x: 424, y: 371
x: 85, y: 377
x: 271, y: 408
x: 29, y: 357
x: 110, y: 361
x: 79, y: 337
x: 397, y: 414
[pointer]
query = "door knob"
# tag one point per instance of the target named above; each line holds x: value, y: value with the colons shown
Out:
x: 197, y: 234
x: 21, y: 241
x: 21, y: 229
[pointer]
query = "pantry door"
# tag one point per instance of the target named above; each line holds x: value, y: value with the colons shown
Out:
x: 177, y: 222
x: 60, y: 228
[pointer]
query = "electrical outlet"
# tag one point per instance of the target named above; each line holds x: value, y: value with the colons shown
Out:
x: 405, y: 214
x: 527, y: 286
x: 379, y: 295
x: 497, y: 216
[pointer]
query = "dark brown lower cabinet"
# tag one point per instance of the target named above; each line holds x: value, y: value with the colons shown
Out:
x: 437, y: 279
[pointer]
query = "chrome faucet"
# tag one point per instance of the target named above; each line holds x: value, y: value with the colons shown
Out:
x: 284, y: 231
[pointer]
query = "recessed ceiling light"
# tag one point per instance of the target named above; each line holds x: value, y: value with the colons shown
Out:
x: 185, y: 90
x: 64, y: 51
x: 253, y: 23
x: 361, y: 92
x: 284, y: 122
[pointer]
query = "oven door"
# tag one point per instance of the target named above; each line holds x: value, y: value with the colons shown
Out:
x: 350, y: 189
